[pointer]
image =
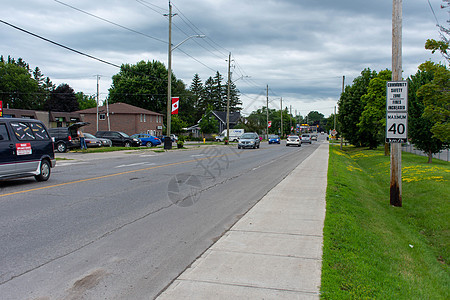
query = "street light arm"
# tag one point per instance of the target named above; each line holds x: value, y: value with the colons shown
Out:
x: 189, y: 37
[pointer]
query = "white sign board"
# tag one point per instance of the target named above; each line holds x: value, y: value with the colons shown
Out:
x: 396, y: 111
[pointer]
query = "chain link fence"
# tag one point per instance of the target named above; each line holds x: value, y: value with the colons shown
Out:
x: 443, y: 155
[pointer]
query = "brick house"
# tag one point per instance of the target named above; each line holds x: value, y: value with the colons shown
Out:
x: 51, y: 119
x: 123, y: 117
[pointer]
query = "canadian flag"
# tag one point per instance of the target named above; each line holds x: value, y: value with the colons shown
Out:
x: 270, y: 124
x: 175, y: 104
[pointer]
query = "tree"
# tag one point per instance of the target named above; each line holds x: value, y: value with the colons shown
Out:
x: 351, y: 107
x: 85, y: 101
x: 419, y: 126
x: 177, y: 124
x: 144, y: 85
x: 18, y: 89
x: 197, y: 91
x: 442, y: 45
x: 62, y: 99
x: 208, y: 123
x: 436, y: 98
x: 373, y: 119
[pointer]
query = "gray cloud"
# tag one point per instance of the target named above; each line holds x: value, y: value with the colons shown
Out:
x: 301, y: 49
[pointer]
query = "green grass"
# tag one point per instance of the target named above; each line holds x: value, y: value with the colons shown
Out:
x: 375, y: 251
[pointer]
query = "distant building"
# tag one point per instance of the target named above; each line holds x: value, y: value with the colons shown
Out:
x: 221, y: 117
x: 51, y: 119
x: 123, y: 117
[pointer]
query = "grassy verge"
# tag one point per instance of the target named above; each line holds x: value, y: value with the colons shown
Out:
x: 375, y: 251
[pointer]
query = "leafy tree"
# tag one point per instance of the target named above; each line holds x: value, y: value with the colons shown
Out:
x: 419, y: 126
x: 315, y: 118
x: 144, y: 85
x: 208, y: 123
x: 18, y: 89
x: 373, y: 119
x: 62, y: 99
x: 177, y: 124
x: 351, y: 107
x: 85, y: 101
x: 442, y: 45
x: 436, y: 98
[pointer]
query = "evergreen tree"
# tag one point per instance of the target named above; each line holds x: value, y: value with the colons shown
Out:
x: 62, y: 99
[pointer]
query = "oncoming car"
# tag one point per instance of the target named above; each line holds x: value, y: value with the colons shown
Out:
x: 293, y: 140
x: 26, y: 149
x: 249, y: 140
x: 274, y: 139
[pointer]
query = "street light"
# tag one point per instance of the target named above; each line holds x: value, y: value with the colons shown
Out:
x: 169, y: 77
x: 228, y: 97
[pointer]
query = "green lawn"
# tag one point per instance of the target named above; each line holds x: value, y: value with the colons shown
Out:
x: 375, y: 251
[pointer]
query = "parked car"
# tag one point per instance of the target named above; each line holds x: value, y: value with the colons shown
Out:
x: 119, y: 138
x: 103, y: 142
x: 66, y: 138
x: 306, y: 138
x: 92, y: 141
x: 172, y: 138
x: 26, y: 149
x: 147, y: 139
x: 293, y: 140
x: 249, y: 140
x: 274, y: 139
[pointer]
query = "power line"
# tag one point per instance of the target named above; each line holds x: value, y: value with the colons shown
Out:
x: 110, y: 22
x: 60, y: 45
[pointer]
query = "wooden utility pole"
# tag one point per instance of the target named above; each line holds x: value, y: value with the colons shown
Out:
x: 396, y: 154
x: 281, y: 105
x: 267, y: 111
x: 343, y: 88
x: 169, y: 81
x: 228, y: 98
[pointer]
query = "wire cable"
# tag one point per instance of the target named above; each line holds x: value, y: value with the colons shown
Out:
x: 60, y: 45
x: 110, y: 22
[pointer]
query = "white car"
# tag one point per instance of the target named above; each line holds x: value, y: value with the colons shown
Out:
x: 293, y: 140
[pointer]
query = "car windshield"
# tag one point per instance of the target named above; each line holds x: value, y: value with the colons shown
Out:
x: 305, y: 135
x: 123, y: 134
x: 273, y: 136
x: 248, y: 136
x: 293, y: 137
x: 89, y: 136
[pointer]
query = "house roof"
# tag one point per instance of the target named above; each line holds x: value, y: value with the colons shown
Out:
x: 119, y: 108
x: 222, y: 116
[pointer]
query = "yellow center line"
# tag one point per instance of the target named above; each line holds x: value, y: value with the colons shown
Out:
x: 111, y: 175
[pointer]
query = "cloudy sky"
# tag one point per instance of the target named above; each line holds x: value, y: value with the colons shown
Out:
x: 300, y: 49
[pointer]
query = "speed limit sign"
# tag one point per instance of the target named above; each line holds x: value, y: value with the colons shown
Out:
x: 396, y: 127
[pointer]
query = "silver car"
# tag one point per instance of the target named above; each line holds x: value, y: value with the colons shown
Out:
x: 293, y: 140
x: 249, y: 140
x: 306, y: 138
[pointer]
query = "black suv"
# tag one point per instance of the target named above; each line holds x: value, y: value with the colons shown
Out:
x: 66, y: 138
x: 26, y: 149
x: 119, y: 138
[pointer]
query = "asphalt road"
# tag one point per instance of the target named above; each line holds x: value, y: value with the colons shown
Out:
x: 124, y: 225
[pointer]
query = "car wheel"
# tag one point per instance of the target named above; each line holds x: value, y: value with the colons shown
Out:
x: 127, y: 144
x: 239, y: 147
x: 61, y: 147
x: 44, y: 170
x: 149, y: 144
x: 299, y: 145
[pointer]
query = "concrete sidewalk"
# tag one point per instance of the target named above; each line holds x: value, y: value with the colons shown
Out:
x: 274, y: 251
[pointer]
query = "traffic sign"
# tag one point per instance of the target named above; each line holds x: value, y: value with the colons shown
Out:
x: 396, y: 111
x: 333, y: 132
x: 396, y: 127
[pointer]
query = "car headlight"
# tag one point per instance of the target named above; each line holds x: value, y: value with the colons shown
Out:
x: 136, y: 140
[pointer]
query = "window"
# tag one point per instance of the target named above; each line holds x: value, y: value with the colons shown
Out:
x: 22, y: 131
x: 143, y: 118
x: 102, y: 117
x: 39, y: 131
x: 4, y: 136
